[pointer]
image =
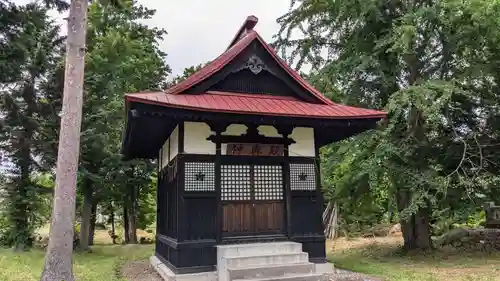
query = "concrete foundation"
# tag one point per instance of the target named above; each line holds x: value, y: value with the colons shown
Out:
x: 168, y: 275
x: 277, y: 261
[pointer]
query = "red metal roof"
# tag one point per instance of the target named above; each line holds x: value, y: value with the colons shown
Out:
x: 250, y: 103
x: 254, y: 104
x: 230, y: 54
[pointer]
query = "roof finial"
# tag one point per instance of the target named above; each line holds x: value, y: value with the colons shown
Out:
x: 250, y: 22
x: 248, y: 25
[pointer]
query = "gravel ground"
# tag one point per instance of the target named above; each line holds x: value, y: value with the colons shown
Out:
x: 345, y: 275
x: 142, y: 271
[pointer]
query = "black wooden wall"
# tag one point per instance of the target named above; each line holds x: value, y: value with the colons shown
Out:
x: 186, y: 233
x: 186, y: 242
x: 307, y: 208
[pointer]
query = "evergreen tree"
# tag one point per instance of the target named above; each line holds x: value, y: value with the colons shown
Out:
x: 122, y: 56
x: 31, y: 50
x: 414, y: 59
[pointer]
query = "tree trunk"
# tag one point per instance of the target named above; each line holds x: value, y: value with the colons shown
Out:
x: 132, y: 215
x: 58, y: 259
x: 19, y: 214
x: 20, y: 196
x: 422, y: 229
x: 416, y: 228
x: 125, y: 222
x: 20, y: 202
x: 93, y: 219
x: 113, y: 231
x: 86, y: 215
x: 132, y: 229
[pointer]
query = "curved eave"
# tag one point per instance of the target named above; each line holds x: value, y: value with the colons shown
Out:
x: 372, y: 115
x: 149, y: 125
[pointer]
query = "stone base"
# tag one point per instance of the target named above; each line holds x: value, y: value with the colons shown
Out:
x: 168, y: 275
x: 324, y: 268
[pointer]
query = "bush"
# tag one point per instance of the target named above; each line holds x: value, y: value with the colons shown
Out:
x: 76, y: 235
x: 4, y: 230
x: 115, y: 236
x: 146, y: 240
x: 100, y: 226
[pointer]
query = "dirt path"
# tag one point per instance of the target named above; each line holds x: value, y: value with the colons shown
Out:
x: 345, y: 275
x: 139, y: 271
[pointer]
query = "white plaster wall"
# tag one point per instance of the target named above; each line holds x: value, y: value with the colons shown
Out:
x: 223, y: 147
x: 160, y: 159
x: 232, y: 130
x: 303, y: 137
x: 268, y: 131
x: 304, y: 142
x: 174, y: 143
x: 164, y: 154
x: 235, y: 130
x: 195, y: 138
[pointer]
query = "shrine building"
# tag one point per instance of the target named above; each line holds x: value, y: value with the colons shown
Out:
x: 238, y: 165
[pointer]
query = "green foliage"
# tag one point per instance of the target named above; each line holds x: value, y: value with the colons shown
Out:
x: 433, y: 66
x: 122, y: 56
x: 146, y: 214
x: 30, y: 48
x: 36, y: 214
x: 188, y: 71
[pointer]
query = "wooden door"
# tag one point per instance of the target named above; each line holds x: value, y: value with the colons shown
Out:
x: 252, y: 200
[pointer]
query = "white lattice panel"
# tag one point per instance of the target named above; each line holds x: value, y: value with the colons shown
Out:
x: 303, y: 177
x: 235, y: 183
x: 268, y: 182
x: 199, y: 176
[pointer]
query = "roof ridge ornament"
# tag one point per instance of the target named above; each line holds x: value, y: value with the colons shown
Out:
x: 254, y: 64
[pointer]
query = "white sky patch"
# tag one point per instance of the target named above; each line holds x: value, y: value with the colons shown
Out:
x: 200, y: 30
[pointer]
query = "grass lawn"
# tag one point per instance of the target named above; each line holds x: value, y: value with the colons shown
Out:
x: 380, y: 257
x: 377, y: 257
x: 103, y: 264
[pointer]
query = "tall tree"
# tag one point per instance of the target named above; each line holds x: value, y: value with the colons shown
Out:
x: 123, y: 56
x: 32, y: 50
x: 412, y: 58
x: 58, y: 260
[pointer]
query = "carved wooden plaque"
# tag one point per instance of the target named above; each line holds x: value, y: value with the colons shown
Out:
x: 254, y: 149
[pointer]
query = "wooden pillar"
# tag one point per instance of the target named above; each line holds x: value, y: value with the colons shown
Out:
x: 320, y: 254
x: 319, y: 191
x: 181, y: 209
x: 159, y: 203
x: 285, y: 131
x: 218, y: 129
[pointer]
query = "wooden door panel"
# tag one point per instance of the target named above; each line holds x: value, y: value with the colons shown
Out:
x: 269, y: 217
x: 238, y: 218
x: 252, y: 199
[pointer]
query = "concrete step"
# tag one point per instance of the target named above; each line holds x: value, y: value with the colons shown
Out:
x: 296, y: 277
x: 270, y: 271
x: 254, y: 249
x: 264, y: 260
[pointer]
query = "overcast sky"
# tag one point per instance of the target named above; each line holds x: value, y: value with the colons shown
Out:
x: 200, y: 30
